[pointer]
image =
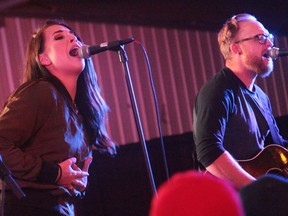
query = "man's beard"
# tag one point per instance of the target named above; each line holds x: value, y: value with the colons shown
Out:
x: 259, y: 67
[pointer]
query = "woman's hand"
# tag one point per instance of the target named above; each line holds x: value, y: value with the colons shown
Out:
x: 81, y: 183
x: 72, y: 177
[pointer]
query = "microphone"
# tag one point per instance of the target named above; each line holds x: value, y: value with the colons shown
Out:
x: 275, y: 52
x: 86, y: 51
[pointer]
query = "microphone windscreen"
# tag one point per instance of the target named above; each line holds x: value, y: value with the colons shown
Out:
x: 273, y: 52
x: 83, y: 51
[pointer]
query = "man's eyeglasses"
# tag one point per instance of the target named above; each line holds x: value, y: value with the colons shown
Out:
x: 262, y: 38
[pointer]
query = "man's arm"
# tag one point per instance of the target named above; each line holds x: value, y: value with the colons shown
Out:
x: 226, y: 167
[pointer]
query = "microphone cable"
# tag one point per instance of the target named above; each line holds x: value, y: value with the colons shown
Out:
x: 156, y: 108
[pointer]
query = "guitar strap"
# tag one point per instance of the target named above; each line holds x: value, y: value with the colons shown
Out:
x: 259, y: 102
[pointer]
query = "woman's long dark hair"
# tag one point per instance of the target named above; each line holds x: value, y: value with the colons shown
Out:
x: 88, y: 99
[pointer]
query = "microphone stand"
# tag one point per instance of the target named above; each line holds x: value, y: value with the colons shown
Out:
x: 6, y: 177
x: 124, y: 59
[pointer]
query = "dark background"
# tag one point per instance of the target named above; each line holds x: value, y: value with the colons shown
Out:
x: 200, y: 14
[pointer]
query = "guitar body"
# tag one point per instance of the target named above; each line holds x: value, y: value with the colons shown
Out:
x: 272, y: 159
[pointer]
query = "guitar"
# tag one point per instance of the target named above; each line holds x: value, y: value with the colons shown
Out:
x: 272, y: 159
